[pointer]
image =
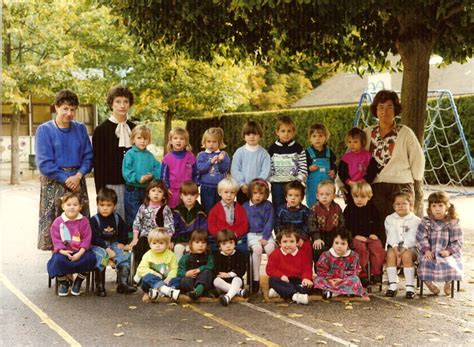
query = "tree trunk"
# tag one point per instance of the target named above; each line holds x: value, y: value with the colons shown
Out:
x: 168, y: 119
x: 415, y: 47
x: 15, y: 149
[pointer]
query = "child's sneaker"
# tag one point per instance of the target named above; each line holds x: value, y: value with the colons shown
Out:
x: 273, y: 294
x: 255, y: 287
x: 244, y: 293
x: 364, y: 281
x: 154, y: 293
x: 175, y: 294
x: 300, y: 298
x: 193, y: 295
x: 76, y: 286
x: 224, y: 300
x: 63, y: 288
x: 137, y: 279
x: 375, y: 279
x: 327, y: 295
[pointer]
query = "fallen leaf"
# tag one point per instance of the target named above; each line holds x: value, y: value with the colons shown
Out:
x: 348, y: 307
x: 295, y: 315
x: 442, y: 303
x: 208, y: 327
x: 319, y: 332
x: 427, y: 315
x: 184, y: 319
x: 434, y: 332
x: 321, y: 342
x: 241, y: 343
x: 250, y: 339
x: 434, y: 339
x: 119, y: 334
x: 132, y: 307
x: 467, y: 331
x: 469, y: 314
x: 282, y: 305
x: 119, y: 325
x: 352, y: 330
x: 177, y: 338
x: 337, y: 324
x: 306, y: 339
x: 398, y: 316
x: 186, y: 306
x: 172, y: 304
x: 421, y: 329
x: 355, y: 340
x: 397, y: 344
x: 199, y: 341
x: 380, y: 337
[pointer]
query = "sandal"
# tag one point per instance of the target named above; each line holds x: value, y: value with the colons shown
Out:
x: 432, y: 287
x: 447, y: 288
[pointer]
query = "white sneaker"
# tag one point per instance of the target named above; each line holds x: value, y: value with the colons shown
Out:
x: 273, y: 294
x: 175, y: 294
x: 136, y: 279
x: 300, y: 298
x: 153, y: 293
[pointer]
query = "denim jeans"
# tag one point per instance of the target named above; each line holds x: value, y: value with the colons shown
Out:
x: 121, y: 257
x: 152, y: 281
x: 133, y: 199
x: 287, y: 289
x: 209, y: 198
x: 278, y: 194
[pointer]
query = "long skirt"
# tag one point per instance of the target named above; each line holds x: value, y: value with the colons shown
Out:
x: 50, y: 208
x: 61, y: 265
x: 350, y: 285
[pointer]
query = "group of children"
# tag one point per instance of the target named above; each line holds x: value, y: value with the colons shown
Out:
x: 183, y: 246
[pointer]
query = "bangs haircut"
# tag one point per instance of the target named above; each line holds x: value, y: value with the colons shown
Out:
x: 225, y: 235
x: 107, y: 194
x: 285, y: 120
x: 384, y: 96
x: 189, y: 188
x: 159, y: 235
x: 356, y: 133
x: 288, y: 232
x: 217, y: 133
x: 318, y: 127
x: 328, y: 183
x: 141, y: 130
x: 252, y: 127
x: 259, y: 185
x: 405, y: 196
x: 362, y: 189
x: 228, y: 183
x: 118, y: 91
x: 296, y: 185
x: 156, y: 184
x: 178, y: 131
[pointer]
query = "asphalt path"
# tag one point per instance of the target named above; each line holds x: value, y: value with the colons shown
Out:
x: 31, y: 313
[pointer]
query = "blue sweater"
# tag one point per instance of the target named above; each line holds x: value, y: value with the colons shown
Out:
x: 56, y: 149
x: 248, y: 165
x: 293, y: 217
x: 211, y: 174
x: 260, y: 218
x: 137, y: 163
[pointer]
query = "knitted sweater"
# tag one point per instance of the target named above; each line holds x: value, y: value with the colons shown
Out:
x: 106, y: 230
x: 290, y: 265
x: 217, y: 222
x: 191, y: 261
x: 260, y: 218
x: 71, y: 234
x: 186, y: 221
x: 235, y: 263
x: 363, y: 221
x: 211, y: 174
x: 249, y: 163
x: 296, y: 217
x: 401, y: 229
x: 287, y: 162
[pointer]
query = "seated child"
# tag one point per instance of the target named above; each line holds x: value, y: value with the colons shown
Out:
x: 338, y: 269
x: 195, y: 269
x: 188, y: 216
x: 229, y: 267
x: 289, y: 269
x: 401, y: 228
x: 439, y: 240
x: 325, y: 218
x: 228, y: 214
x: 260, y: 215
x: 71, y: 237
x: 158, y: 267
x: 110, y: 240
x: 294, y: 214
x: 362, y: 220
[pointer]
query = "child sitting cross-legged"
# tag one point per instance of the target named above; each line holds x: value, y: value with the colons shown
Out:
x: 158, y: 267
x: 230, y: 267
x: 289, y: 269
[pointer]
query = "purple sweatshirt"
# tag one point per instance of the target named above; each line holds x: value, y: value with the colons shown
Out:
x: 71, y: 235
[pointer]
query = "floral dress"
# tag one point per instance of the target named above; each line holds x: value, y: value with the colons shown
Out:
x: 346, y: 267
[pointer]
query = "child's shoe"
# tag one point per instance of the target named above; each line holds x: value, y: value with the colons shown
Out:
x: 327, y: 295
x: 300, y: 298
x: 255, y: 287
x: 244, y: 293
x: 364, y: 281
x: 409, y: 294
x: 76, y: 286
x: 432, y: 287
x: 175, y: 294
x: 137, y: 279
x: 170, y: 292
x: 273, y: 294
x: 122, y: 274
x: 224, y: 300
x: 153, y: 293
x: 375, y: 279
x: 447, y: 288
x: 63, y: 288
x: 193, y: 295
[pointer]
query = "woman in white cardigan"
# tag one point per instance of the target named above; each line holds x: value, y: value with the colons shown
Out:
x: 399, y: 157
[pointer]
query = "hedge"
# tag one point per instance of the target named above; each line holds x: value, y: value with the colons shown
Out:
x: 337, y: 119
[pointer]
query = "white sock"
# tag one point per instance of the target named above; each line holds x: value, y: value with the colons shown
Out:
x: 392, y: 278
x: 409, y: 273
x: 234, y: 287
x: 256, y: 260
x: 221, y: 285
x: 165, y: 290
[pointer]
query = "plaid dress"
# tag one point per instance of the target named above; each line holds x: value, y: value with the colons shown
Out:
x: 436, y: 236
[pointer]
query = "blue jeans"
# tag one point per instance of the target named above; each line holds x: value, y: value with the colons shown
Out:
x: 121, y: 257
x: 278, y: 194
x: 152, y: 281
x: 209, y: 197
x: 133, y: 199
x: 287, y: 289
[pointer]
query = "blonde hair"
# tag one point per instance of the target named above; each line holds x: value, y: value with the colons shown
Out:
x: 442, y: 197
x: 180, y: 132
x: 228, y: 182
x: 142, y: 130
x: 362, y: 189
x: 214, y: 132
x: 159, y: 234
x: 326, y: 183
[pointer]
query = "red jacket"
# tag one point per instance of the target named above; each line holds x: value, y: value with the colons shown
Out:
x: 216, y: 220
x: 289, y: 265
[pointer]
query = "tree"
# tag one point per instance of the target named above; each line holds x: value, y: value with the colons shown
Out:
x: 356, y: 32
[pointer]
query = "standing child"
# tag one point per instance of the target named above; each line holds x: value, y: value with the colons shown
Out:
x: 230, y: 267
x: 439, y: 239
x: 251, y: 160
x: 179, y: 165
x: 325, y: 218
x: 289, y: 270
x: 357, y: 164
x: 110, y: 239
x: 228, y: 214
x: 195, y: 269
x: 154, y: 212
x: 212, y: 165
x: 188, y: 216
x: 294, y: 214
x: 401, y: 227
x: 287, y: 160
x: 71, y: 237
x: 158, y: 267
x: 260, y: 216
x: 139, y: 167
x: 321, y: 161
x: 362, y: 220
x: 338, y: 269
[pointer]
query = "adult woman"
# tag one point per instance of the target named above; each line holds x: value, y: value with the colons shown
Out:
x: 399, y: 157
x: 63, y: 157
x: 110, y: 141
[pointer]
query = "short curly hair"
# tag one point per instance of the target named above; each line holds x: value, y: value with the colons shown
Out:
x: 383, y: 96
x: 66, y: 96
x: 117, y: 91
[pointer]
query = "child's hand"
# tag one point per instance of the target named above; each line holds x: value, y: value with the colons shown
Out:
x: 192, y: 273
x: 223, y: 275
x: 334, y: 281
x: 263, y: 242
x: 66, y: 253
x: 134, y: 242
x: 313, y: 167
x: 214, y: 159
x: 361, y: 238
x: 373, y: 237
x: 428, y: 255
x: 318, y: 244
x: 285, y: 279
x: 307, y: 283
x: 145, y: 178
x: 244, y: 188
x: 75, y: 257
x: 221, y: 156
x: 121, y: 245
x: 300, y: 243
x: 332, y: 173
x: 110, y: 252
x: 167, y: 280
x: 444, y: 253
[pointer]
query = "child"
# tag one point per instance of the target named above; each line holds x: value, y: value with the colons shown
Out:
x: 251, y: 160
x: 188, y: 216
x: 110, y: 237
x: 260, y: 216
x: 228, y: 214
x: 71, y: 237
x: 195, y: 269
x: 158, y: 267
x: 357, y: 164
x: 400, y: 228
x: 338, y: 269
x: 439, y: 240
x: 212, y: 165
x: 289, y: 270
x: 295, y: 214
x: 321, y: 161
x: 362, y: 220
x: 139, y: 167
x: 325, y: 218
x: 179, y: 165
x: 230, y: 266
x: 153, y: 213
x: 287, y: 160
